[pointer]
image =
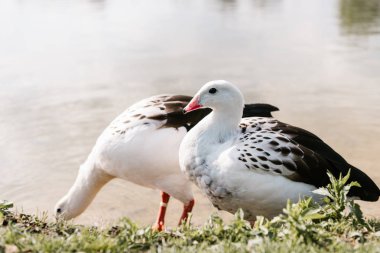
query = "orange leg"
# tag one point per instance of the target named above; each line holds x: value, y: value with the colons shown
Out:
x: 161, y: 213
x: 187, y: 208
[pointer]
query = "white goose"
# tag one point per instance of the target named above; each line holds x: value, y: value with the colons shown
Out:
x: 141, y: 145
x: 257, y: 164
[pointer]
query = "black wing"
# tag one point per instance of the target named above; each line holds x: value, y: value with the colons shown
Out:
x: 176, y: 118
x: 258, y: 110
x: 319, y: 157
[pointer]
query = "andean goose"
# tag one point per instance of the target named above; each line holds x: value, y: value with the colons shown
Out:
x: 141, y: 146
x: 256, y: 163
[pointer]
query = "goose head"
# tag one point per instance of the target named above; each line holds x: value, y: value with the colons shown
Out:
x: 218, y: 95
x: 66, y: 208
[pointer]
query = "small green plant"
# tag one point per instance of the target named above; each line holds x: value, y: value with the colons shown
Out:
x: 5, y: 206
x: 313, y: 222
x: 4, y: 210
x: 334, y: 224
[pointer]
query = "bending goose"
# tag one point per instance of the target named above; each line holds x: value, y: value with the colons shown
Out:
x: 256, y: 163
x: 141, y: 146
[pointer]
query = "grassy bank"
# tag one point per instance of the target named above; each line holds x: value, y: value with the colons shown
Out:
x: 336, y: 226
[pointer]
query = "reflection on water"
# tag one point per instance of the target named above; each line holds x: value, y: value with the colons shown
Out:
x: 67, y: 68
x: 225, y: 5
x: 360, y: 17
x: 266, y: 3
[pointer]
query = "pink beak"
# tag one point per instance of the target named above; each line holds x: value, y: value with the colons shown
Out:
x: 193, y: 105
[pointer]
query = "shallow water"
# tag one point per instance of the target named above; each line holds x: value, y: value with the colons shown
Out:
x: 67, y: 68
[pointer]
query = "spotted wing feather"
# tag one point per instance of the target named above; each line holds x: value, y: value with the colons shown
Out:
x: 332, y: 161
x: 268, y: 145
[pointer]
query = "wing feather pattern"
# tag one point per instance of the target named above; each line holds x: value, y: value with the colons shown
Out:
x: 297, y: 154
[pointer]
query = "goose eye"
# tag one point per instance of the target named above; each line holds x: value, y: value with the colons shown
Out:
x: 212, y: 91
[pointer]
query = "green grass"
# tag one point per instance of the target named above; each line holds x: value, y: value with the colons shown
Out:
x: 336, y: 226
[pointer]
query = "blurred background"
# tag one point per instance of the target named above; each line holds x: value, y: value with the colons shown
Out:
x: 68, y: 67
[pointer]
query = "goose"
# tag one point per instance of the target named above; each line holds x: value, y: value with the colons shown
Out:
x: 257, y: 163
x: 141, y: 145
